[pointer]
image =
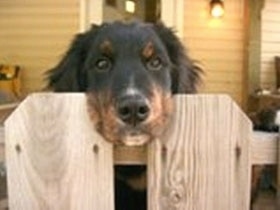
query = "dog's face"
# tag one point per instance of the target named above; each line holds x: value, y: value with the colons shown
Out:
x: 129, y: 83
x: 129, y: 72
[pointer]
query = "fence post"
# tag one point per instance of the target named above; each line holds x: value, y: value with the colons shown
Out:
x: 55, y: 159
x: 203, y: 160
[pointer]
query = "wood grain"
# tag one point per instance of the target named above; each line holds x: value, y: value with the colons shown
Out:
x: 130, y: 155
x: 264, y: 150
x: 203, y: 160
x: 264, y: 147
x: 55, y: 159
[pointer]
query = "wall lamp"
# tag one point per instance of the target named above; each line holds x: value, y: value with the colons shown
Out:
x: 130, y: 6
x: 217, y: 8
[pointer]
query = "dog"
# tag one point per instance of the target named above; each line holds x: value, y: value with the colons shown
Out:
x: 129, y: 72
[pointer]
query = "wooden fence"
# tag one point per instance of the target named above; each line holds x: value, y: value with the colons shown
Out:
x: 56, y: 160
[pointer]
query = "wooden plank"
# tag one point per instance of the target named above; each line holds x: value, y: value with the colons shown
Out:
x: 223, y: 65
x: 207, y: 44
x: 270, y: 15
x: 229, y: 55
x: 271, y: 26
x: 228, y: 24
x: 204, y: 162
x: 264, y: 148
x: 130, y: 155
x: 272, y: 46
x: 270, y: 36
x: 223, y: 77
x: 203, y: 33
x: 272, y: 6
x: 63, y: 9
x: 32, y: 3
x: 23, y: 155
x: 224, y: 87
x: 55, y: 159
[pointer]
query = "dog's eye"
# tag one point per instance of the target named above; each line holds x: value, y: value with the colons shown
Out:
x: 154, y: 64
x: 103, y: 64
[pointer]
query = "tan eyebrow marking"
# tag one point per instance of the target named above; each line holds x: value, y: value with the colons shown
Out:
x: 148, y: 50
x: 106, y: 47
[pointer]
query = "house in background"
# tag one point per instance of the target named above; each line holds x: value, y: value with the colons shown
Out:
x: 236, y: 51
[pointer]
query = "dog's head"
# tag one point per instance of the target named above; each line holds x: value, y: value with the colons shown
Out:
x: 129, y: 72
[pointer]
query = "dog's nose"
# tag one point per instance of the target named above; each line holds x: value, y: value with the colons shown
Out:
x: 133, y: 110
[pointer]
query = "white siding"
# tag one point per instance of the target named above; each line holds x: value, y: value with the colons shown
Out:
x: 270, y: 42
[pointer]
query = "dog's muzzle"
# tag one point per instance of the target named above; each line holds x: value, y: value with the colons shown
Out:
x: 133, y: 109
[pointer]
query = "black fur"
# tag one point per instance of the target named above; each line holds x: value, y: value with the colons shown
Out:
x: 69, y: 75
x: 185, y: 72
x: 264, y: 119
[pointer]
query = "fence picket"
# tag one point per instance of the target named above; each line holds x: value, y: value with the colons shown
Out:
x: 55, y: 159
x: 202, y: 162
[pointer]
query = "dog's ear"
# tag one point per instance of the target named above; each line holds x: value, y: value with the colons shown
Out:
x: 68, y: 75
x: 185, y: 73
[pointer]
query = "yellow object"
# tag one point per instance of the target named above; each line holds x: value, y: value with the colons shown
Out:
x: 10, y: 80
x: 217, y: 8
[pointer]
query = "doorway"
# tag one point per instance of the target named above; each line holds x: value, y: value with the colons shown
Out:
x: 171, y: 13
x: 144, y: 10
